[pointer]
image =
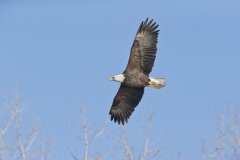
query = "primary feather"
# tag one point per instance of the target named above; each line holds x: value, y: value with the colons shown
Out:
x: 144, y: 48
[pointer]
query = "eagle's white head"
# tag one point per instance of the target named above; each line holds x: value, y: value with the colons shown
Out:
x: 119, y: 78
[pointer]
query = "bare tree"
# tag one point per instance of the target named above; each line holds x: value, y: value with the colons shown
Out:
x: 15, y: 141
x: 149, y: 151
x: 118, y: 143
x: 87, y: 137
x: 226, y: 144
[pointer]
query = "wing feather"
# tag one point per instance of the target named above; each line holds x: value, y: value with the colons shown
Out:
x: 144, y: 48
x: 124, y: 103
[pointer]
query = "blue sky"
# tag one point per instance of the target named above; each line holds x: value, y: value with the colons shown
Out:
x: 61, y: 53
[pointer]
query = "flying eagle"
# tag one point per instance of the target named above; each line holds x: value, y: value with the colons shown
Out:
x: 136, y: 75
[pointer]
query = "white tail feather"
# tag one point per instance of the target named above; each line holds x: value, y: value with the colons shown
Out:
x: 156, y: 82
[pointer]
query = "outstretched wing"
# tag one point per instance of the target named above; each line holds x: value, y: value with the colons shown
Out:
x: 125, y: 101
x: 144, y: 48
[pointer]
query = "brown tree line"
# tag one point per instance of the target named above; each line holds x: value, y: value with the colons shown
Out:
x: 19, y: 143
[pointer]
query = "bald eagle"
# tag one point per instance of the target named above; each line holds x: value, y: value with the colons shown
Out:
x: 136, y: 75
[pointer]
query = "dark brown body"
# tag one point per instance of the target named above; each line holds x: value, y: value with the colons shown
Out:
x: 136, y: 79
